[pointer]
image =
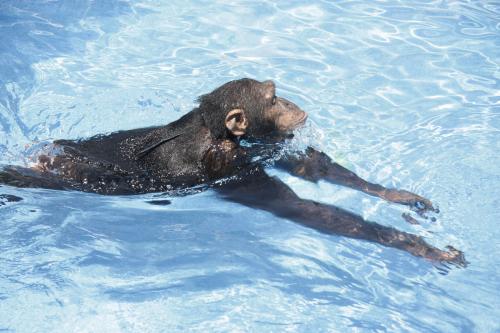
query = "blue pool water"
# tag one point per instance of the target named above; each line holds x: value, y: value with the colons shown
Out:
x: 407, y: 95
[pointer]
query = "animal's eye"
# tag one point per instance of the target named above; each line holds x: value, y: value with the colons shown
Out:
x: 274, y: 100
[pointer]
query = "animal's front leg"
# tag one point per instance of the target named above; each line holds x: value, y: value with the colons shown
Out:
x: 313, y: 165
x: 260, y: 191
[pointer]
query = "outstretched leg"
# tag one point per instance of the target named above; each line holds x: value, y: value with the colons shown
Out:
x: 270, y: 194
x: 314, y: 165
x: 25, y: 177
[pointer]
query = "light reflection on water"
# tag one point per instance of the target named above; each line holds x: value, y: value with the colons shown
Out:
x: 407, y: 95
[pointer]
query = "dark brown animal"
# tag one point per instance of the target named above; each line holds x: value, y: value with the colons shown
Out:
x: 205, y: 148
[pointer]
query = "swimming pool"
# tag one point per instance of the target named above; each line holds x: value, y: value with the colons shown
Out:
x: 406, y: 95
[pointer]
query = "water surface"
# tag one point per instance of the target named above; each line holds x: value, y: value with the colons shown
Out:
x: 405, y: 94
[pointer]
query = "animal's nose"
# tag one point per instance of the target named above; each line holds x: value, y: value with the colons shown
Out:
x: 287, y: 104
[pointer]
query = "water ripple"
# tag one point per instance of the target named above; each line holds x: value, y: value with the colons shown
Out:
x: 404, y: 94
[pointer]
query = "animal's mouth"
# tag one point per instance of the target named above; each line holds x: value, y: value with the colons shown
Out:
x: 296, y: 124
x: 301, y: 121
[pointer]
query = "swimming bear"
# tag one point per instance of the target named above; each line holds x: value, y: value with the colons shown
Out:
x: 224, y: 144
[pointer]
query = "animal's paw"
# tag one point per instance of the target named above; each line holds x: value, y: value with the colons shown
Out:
x: 416, y: 202
x: 454, y: 256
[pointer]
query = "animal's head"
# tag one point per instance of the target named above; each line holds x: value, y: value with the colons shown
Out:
x: 251, y: 109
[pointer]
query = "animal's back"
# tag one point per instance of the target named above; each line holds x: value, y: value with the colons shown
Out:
x: 121, y: 162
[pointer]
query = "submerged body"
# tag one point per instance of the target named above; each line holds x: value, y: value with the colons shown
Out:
x: 203, y: 147
x: 118, y: 164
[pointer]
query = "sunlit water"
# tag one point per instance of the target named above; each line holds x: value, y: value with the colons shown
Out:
x: 405, y: 95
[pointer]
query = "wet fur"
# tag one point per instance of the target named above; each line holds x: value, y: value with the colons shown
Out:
x: 200, y: 149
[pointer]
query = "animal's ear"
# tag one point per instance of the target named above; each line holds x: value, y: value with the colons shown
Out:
x: 269, y: 89
x: 236, y: 122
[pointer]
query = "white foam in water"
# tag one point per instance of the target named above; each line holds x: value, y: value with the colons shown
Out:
x: 404, y: 93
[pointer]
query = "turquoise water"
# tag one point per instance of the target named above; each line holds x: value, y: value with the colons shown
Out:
x: 406, y: 94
